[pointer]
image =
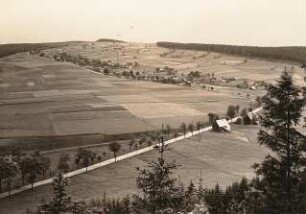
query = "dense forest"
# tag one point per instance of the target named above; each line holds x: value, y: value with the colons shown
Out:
x: 292, y: 54
x: 10, y: 49
x: 110, y: 40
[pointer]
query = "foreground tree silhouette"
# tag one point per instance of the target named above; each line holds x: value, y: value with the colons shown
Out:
x: 60, y: 201
x: 283, y: 173
x: 156, y: 183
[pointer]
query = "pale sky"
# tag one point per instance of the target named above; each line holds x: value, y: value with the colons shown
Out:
x: 242, y: 22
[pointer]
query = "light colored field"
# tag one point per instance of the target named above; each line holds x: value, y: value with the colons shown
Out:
x: 157, y: 110
x: 222, y: 158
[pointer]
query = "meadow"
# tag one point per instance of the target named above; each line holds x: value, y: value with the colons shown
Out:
x: 222, y: 157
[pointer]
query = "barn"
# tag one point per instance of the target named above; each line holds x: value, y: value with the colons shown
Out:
x: 221, y: 125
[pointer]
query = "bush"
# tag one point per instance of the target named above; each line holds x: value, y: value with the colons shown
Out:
x: 213, y: 117
x: 239, y: 121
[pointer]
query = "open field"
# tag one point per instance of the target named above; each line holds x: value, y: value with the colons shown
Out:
x: 150, y: 57
x: 40, y: 97
x: 222, y: 158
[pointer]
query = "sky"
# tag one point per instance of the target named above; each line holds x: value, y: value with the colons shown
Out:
x: 238, y: 22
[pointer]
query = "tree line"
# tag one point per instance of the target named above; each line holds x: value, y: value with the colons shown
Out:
x: 293, y: 54
x: 10, y: 49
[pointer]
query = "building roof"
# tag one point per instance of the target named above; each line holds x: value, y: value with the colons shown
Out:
x: 223, y: 124
x: 250, y: 115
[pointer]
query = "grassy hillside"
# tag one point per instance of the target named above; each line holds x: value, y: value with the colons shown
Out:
x: 292, y: 54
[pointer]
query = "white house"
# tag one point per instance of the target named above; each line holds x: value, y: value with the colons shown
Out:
x: 223, y: 124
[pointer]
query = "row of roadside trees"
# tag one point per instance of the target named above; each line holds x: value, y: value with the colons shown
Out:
x: 21, y: 169
x: 29, y: 167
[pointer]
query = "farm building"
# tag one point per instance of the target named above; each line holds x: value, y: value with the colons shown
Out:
x: 221, y: 125
x: 251, y: 119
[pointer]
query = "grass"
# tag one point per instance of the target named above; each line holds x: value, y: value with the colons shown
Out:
x: 216, y: 157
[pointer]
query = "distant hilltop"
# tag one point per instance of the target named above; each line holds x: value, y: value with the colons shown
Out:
x: 289, y: 54
x: 110, y: 40
x: 14, y: 48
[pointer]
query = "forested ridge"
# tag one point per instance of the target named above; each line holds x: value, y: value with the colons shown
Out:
x: 10, y: 49
x: 286, y: 53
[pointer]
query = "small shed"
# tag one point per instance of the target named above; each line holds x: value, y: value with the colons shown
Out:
x: 221, y: 125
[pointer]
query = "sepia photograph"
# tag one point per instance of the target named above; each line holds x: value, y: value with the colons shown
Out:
x: 152, y: 107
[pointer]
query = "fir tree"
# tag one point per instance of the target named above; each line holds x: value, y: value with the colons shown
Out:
x: 60, y: 201
x: 156, y: 182
x: 215, y: 200
x: 280, y: 172
x: 191, y: 197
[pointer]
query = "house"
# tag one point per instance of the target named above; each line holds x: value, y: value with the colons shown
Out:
x: 251, y: 119
x: 221, y: 125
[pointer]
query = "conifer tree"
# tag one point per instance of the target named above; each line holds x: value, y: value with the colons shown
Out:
x: 215, y: 200
x: 60, y: 201
x: 281, y: 172
x: 156, y: 182
x: 191, y: 197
